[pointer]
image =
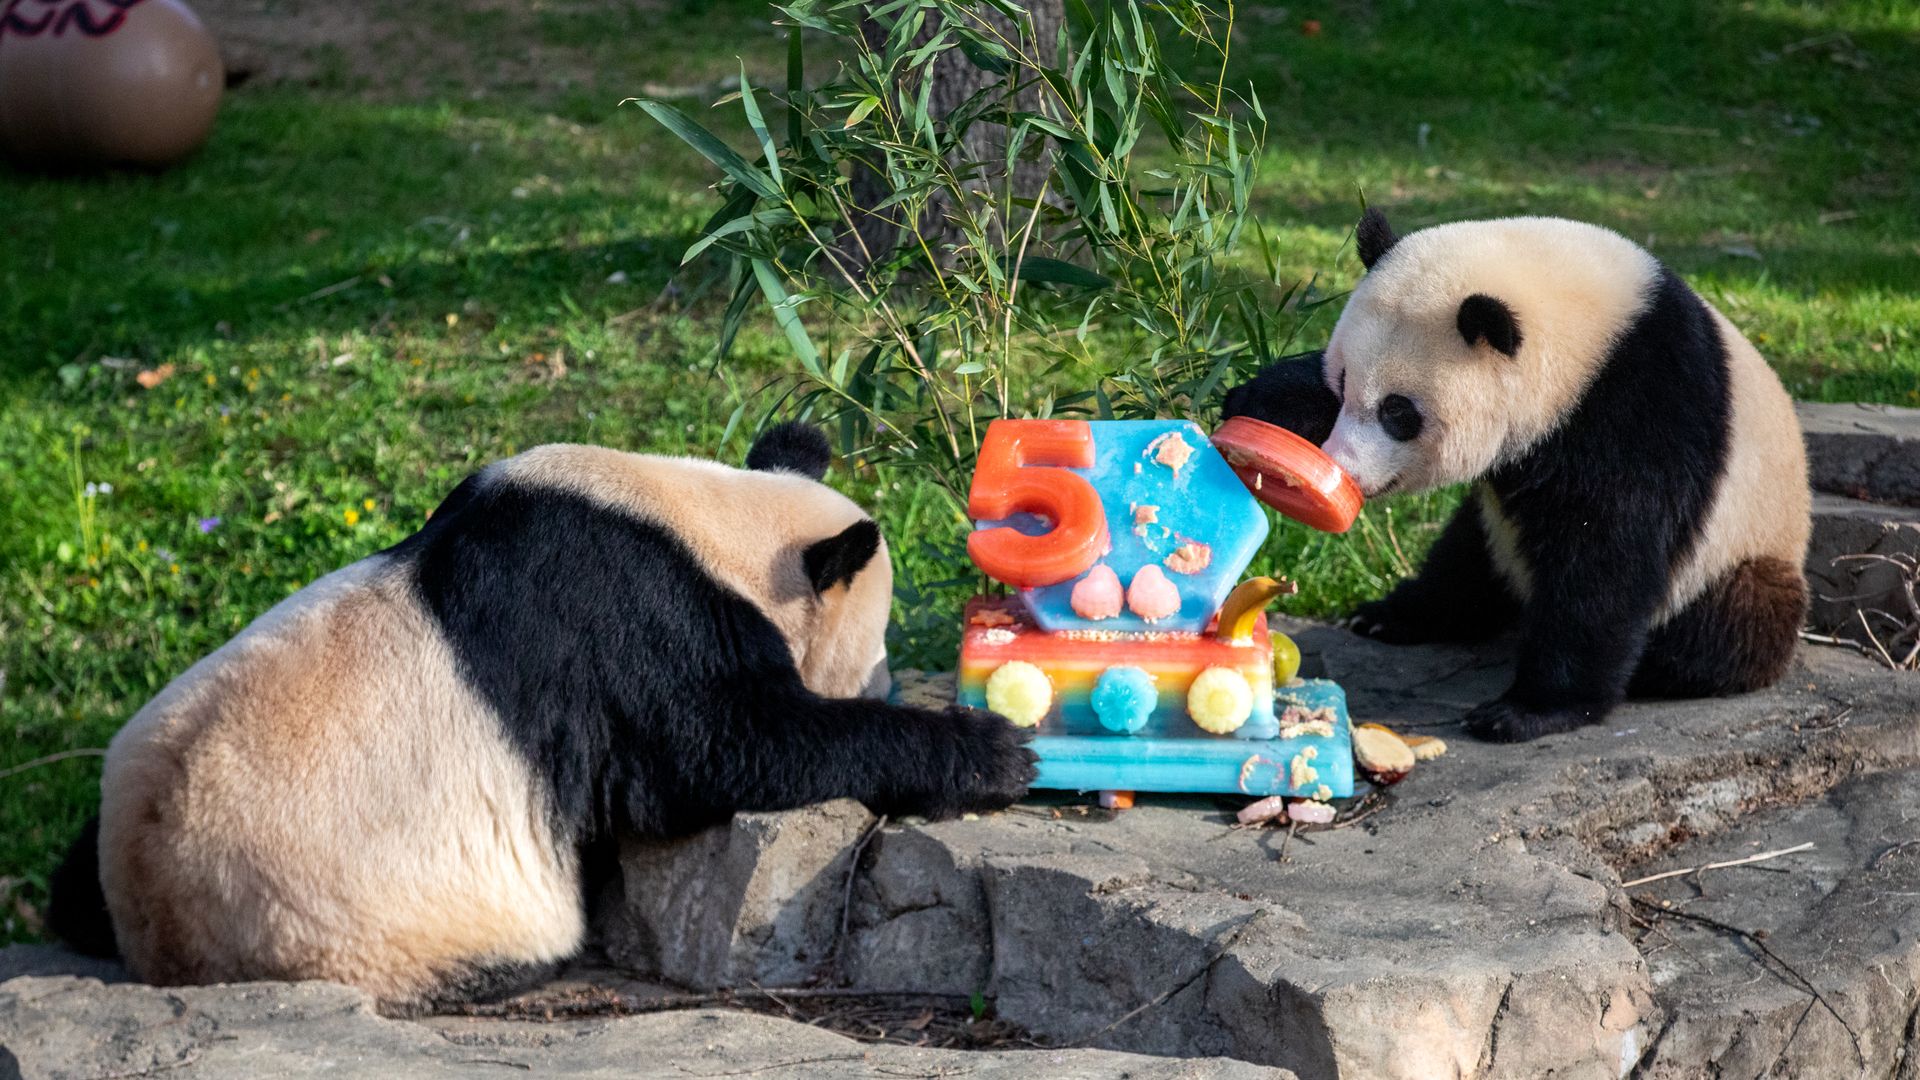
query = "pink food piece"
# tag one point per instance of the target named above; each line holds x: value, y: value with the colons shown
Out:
x: 1171, y: 450
x: 1190, y: 558
x: 1262, y: 810
x: 1309, y: 812
x: 1145, y: 514
x: 1098, y: 595
x: 1152, y: 595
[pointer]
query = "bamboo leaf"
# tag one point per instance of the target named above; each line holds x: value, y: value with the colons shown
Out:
x: 796, y: 86
x: 709, y: 146
x: 786, y: 318
x: 759, y: 125
x: 1048, y: 271
x: 860, y: 111
x: 984, y: 55
x: 736, y: 312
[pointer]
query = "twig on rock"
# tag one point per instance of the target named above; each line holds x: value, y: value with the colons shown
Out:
x: 616, y: 1004
x: 784, y: 1007
x: 853, y: 872
x: 1655, y: 910
x: 1829, y: 639
x: 1762, y: 857
x: 1875, y: 638
x: 1880, y: 860
x: 1292, y: 827
x: 1370, y: 804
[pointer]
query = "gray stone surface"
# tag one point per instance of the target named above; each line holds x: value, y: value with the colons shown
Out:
x: 1475, y: 926
x: 1864, y: 451
x: 758, y: 900
x: 70, y: 1028
x: 1843, y: 586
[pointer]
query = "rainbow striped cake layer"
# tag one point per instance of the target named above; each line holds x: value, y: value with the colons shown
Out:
x: 999, y: 631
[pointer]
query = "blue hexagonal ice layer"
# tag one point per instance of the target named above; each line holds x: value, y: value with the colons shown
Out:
x: 1201, y: 501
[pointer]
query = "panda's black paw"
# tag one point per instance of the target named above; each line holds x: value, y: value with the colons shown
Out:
x: 1378, y: 619
x: 994, y: 765
x: 1504, y: 721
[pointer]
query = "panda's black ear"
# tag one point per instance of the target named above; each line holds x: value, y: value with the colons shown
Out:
x: 794, y: 446
x: 837, y: 559
x: 1482, y: 318
x: 1374, y: 237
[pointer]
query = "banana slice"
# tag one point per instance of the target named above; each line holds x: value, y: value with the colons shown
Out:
x: 1245, y: 603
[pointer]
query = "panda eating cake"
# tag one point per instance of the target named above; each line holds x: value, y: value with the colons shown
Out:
x: 1129, y: 643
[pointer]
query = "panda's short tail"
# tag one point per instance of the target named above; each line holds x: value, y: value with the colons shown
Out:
x: 77, y: 908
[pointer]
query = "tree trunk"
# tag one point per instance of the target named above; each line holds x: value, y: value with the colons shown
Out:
x: 955, y: 80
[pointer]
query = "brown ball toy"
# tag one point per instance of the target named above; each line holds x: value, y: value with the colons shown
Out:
x: 105, y: 82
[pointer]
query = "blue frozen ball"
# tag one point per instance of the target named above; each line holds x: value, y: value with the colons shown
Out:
x: 1123, y: 699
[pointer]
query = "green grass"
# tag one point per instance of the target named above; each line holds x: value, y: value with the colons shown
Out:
x: 371, y: 280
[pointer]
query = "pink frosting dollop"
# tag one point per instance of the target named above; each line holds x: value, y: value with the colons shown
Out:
x: 1152, y: 595
x: 1098, y: 595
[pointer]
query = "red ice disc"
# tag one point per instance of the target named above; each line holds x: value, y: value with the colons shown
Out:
x: 1290, y: 474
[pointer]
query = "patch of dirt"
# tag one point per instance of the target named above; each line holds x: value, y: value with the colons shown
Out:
x: 403, y: 47
x: 925, y: 1020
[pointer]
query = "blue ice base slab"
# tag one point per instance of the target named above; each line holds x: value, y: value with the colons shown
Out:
x: 1257, y: 767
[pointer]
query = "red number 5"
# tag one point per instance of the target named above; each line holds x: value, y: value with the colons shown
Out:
x: 1011, y: 478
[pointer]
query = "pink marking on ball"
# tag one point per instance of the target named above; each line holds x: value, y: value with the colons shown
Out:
x: 1152, y: 595
x: 1098, y: 595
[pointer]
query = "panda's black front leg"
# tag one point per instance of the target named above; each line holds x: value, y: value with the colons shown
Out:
x: 1457, y: 595
x: 1581, y: 634
x: 779, y: 746
x: 1291, y: 393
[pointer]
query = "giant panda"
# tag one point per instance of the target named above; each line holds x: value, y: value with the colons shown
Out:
x: 399, y: 777
x: 1639, y: 507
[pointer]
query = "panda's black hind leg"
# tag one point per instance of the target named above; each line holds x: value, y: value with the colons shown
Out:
x: 1737, y: 636
x: 1457, y: 595
x: 476, y: 983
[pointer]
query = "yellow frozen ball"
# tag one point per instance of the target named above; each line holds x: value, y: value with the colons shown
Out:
x: 1286, y: 659
x: 1220, y: 700
x: 1020, y: 692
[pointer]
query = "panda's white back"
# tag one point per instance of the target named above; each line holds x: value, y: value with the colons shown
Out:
x: 342, y: 698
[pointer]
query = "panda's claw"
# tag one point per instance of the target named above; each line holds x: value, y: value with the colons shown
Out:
x: 996, y: 765
x: 1375, y: 619
x: 1503, y: 721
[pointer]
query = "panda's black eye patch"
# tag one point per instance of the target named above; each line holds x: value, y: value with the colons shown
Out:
x: 1400, y: 418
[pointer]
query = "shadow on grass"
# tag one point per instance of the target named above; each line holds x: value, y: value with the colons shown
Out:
x: 1714, y: 132
x: 298, y: 222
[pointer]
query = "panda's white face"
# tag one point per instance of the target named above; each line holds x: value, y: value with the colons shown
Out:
x: 1420, y: 407
x: 846, y: 654
x: 1465, y: 344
